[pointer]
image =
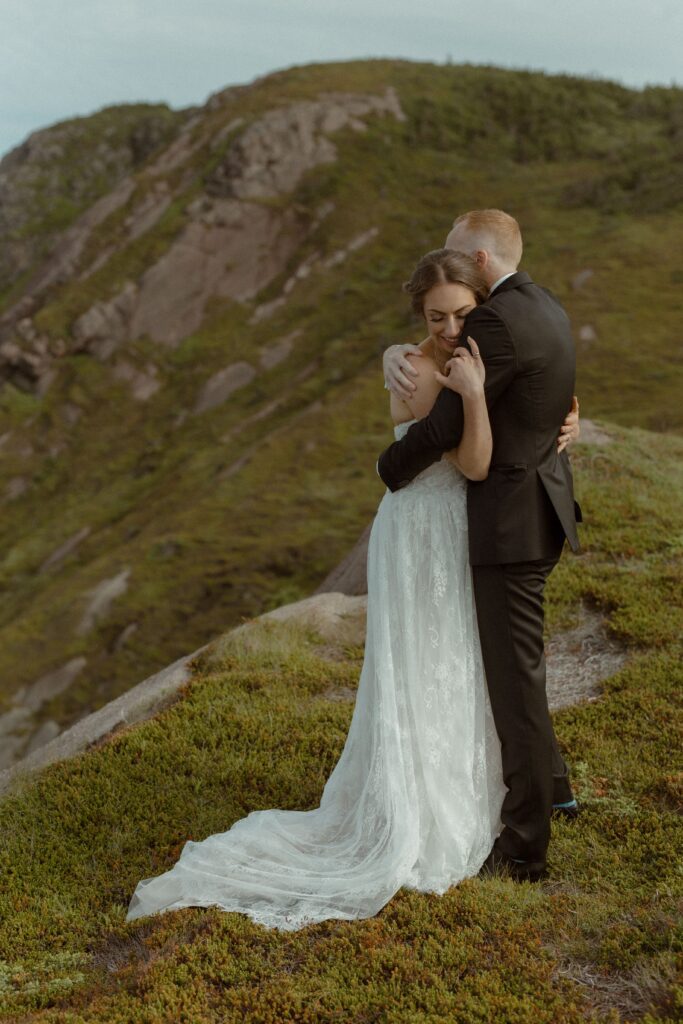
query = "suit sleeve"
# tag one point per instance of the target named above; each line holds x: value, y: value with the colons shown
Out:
x: 426, y: 441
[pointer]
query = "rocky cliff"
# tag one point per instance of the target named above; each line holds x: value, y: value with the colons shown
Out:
x: 194, y: 307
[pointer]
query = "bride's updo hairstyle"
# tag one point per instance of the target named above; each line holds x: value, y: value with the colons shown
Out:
x: 444, y: 266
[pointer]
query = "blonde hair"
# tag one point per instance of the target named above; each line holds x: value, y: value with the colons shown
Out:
x: 495, y: 230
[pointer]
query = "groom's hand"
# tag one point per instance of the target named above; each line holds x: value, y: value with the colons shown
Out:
x: 398, y: 371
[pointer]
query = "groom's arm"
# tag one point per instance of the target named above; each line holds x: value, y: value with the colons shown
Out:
x: 439, y: 431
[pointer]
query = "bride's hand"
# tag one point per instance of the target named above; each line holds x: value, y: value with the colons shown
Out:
x: 466, y: 372
x: 570, y: 430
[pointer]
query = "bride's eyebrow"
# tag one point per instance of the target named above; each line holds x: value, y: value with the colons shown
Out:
x: 466, y: 306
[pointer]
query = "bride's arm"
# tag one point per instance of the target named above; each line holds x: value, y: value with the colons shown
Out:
x: 473, y: 455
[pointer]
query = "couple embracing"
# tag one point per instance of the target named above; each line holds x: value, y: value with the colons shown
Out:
x: 451, y: 767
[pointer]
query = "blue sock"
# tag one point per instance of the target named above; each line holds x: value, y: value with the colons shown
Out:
x: 569, y: 803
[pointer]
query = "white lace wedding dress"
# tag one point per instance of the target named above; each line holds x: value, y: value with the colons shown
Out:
x: 415, y: 797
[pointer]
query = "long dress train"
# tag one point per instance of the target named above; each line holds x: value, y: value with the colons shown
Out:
x: 414, y: 799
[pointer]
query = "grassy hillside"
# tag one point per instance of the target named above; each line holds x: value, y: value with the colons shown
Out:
x: 600, y: 940
x: 57, y: 172
x: 251, y: 503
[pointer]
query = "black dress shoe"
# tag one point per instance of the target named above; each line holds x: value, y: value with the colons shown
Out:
x: 500, y: 865
x: 570, y: 810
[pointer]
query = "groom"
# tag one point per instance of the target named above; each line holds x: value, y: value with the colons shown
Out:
x: 519, y: 516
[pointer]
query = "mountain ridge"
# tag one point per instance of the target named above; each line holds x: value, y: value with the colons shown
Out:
x: 192, y: 400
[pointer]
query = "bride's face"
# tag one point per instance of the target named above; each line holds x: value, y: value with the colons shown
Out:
x: 445, y: 308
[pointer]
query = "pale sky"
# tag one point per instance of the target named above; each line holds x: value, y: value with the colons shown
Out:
x: 61, y: 58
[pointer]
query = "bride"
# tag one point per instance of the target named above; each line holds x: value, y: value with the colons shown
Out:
x: 415, y: 797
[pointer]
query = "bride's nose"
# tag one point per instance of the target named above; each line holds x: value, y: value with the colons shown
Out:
x: 453, y: 327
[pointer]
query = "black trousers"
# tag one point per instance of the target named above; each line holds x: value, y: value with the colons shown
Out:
x: 509, y: 600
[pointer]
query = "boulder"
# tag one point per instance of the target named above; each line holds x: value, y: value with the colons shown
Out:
x: 222, y: 384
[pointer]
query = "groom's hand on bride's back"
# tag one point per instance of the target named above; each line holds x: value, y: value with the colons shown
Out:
x: 398, y: 370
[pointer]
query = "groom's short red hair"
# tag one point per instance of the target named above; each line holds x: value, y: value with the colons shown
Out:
x: 497, y: 228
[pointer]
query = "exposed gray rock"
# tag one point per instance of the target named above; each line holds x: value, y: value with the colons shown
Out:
x: 143, y: 383
x: 124, y: 636
x: 15, y: 446
x: 301, y: 272
x: 356, y: 243
x: 24, y: 363
x: 223, y: 133
x: 43, y: 734
x: 232, y: 251
x: 350, y: 576
x: 152, y: 207
x: 17, y: 486
x: 266, y: 309
x: 272, y: 155
x: 63, y: 261
x: 336, y: 617
x: 137, y: 704
x: 243, y: 424
x: 104, y: 327
x: 313, y: 261
x: 222, y: 384
x: 52, y: 683
x: 65, y: 549
x: 11, y: 750
x: 101, y: 598
x: 587, y: 334
x: 273, y: 355
x: 17, y: 719
x: 70, y: 413
x: 45, y: 380
x: 577, y: 661
x: 180, y: 150
x: 582, y: 278
x: 72, y: 163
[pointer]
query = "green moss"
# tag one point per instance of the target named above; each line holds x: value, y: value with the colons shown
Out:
x: 253, y: 730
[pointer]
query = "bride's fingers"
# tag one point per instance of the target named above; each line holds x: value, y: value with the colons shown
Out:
x: 460, y: 353
x: 474, y: 347
x: 440, y: 377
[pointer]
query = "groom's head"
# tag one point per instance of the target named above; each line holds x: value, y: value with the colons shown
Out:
x: 492, y: 238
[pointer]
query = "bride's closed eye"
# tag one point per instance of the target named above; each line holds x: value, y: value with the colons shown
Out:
x: 436, y: 318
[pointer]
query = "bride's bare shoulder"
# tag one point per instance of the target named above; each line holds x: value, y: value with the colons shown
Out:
x: 424, y: 395
x: 424, y: 364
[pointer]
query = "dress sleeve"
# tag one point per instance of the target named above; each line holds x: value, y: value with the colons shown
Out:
x: 426, y: 441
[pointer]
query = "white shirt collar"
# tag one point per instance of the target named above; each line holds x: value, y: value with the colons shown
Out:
x: 500, y: 281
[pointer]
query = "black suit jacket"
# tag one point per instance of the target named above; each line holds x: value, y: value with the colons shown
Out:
x: 525, y: 507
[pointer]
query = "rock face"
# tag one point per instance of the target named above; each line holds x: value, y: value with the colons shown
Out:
x: 273, y: 154
x: 229, y: 249
x: 18, y: 731
x: 60, y: 169
x: 234, y: 242
x: 143, y: 382
x: 350, y: 576
x: 222, y: 384
x: 105, y: 325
